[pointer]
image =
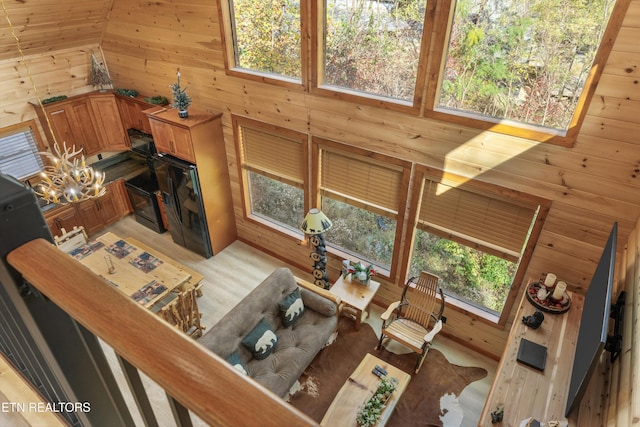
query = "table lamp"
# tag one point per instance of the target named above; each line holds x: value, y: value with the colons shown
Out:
x: 315, y: 224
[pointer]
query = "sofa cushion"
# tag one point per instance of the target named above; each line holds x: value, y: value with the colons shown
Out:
x: 237, y: 363
x: 291, y: 308
x: 261, y: 340
x: 297, y: 346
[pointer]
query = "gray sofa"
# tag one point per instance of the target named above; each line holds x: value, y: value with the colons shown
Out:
x: 296, y: 345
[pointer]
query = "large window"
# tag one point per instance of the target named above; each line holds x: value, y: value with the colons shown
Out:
x: 266, y: 36
x: 19, y: 149
x: 522, y: 60
x: 519, y: 67
x: 274, y: 165
x: 373, y: 46
x: 362, y: 193
x: 472, y: 238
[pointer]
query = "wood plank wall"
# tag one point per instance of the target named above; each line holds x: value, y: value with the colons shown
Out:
x: 63, y: 72
x: 591, y: 184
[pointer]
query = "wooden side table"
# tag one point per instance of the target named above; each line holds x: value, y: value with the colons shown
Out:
x: 355, y: 297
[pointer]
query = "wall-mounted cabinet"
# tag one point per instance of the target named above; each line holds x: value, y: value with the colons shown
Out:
x: 108, y: 123
x: 71, y: 123
x: 131, y: 113
x: 90, y: 121
x: 172, y: 135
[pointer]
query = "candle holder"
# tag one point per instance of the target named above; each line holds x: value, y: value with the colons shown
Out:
x: 542, y: 297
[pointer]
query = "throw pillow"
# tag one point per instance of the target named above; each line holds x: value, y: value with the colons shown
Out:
x: 291, y: 307
x: 261, y: 340
x: 236, y: 362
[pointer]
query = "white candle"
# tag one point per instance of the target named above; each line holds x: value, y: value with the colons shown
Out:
x: 550, y: 280
x: 558, y: 292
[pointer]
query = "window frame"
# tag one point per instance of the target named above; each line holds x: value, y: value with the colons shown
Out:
x: 317, y: 66
x: 227, y: 35
x: 438, y: 17
x: 421, y: 173
x: 320, y: 144
x: 507, y: 127
x: 21, y: 127
x: 238, y: 122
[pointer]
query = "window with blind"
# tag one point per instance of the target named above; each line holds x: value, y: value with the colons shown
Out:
x: 274, y: 163
x: 472, y: 239
x: 19, y: 151
x: 363, y: 194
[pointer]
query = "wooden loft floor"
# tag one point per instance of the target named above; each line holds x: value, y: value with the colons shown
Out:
x: 232, y: 274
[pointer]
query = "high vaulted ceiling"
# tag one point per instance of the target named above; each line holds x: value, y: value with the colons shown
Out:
x: 49, y: 25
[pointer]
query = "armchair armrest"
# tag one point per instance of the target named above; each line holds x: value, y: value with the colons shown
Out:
x: 436, y: 328
x: 385, y: 316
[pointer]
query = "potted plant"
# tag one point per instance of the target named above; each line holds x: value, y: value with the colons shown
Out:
x: 181, y: 100
x: 359, y: 272
x: 369, y: 414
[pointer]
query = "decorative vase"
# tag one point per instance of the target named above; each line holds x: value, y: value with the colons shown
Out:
x: 361, y: 277
x: 183, y: 114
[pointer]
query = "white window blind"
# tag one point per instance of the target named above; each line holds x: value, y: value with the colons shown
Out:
x: 275, y: 156
x: 362, y: 182
x: 485, y: 221
x: 19, y: 154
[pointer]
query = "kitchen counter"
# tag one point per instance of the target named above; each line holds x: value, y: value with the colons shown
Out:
x: 124, y: 165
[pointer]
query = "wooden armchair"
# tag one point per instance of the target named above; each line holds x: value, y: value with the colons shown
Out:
x: 416, y: 321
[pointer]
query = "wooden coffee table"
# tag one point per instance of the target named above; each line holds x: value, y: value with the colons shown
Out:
x: 358, y: 389
x: 355, y: 297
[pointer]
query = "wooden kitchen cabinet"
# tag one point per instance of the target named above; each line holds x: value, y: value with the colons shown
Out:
x: 91, y: 121
x: 131, y: 113
x: 172, y: 138
x: 71, y: 122
x: 92, y: 214
x: 98, y: 213
x: 62, y: 217
x: 108, y: 123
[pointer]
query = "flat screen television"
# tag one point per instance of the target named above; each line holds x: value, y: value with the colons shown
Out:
x: 594, y: 324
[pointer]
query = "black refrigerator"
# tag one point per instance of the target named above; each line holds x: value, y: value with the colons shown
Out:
x: 180, y: 187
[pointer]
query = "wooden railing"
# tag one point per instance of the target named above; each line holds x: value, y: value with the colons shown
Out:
x: 191, y: 374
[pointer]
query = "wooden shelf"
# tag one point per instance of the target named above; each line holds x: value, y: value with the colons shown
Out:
x: 524, y: 391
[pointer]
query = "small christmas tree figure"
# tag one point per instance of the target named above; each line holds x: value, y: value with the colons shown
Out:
x: 98, y: 76
x: 181, y: 100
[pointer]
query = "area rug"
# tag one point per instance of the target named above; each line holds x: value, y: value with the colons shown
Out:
x: 420, y: 402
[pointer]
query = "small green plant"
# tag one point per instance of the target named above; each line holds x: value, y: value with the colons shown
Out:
x: 370, y: 413
x: 54, y: 99
x: 181, y: 100
x: 132, y: 93
x: 157, y: 100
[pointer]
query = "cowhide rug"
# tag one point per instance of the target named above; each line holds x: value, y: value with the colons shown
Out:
x: 420, y: 404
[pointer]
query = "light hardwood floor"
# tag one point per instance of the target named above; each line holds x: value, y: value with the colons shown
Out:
x: 231, y: 275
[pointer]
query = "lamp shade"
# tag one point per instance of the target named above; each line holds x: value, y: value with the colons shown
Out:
x: 315, y: 222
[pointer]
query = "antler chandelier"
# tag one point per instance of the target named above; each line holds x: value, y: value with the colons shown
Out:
x: 68, y: 180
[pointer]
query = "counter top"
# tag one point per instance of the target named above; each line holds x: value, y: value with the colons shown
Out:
x: 125, y: 165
